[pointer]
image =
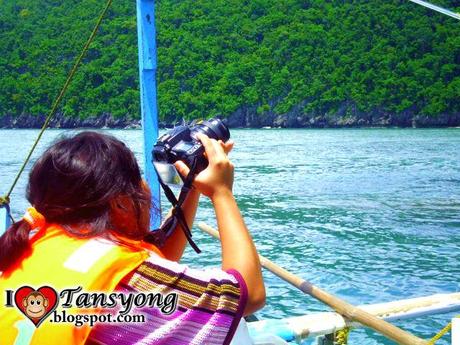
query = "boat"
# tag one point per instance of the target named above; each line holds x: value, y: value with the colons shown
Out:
x: 324, y: 327
x: 321, y: 326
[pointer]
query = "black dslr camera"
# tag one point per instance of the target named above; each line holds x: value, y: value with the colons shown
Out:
x: 181, y: 143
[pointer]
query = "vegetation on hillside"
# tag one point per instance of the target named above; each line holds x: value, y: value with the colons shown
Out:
x: 217, y: 56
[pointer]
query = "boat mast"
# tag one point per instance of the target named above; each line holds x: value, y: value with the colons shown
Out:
x: 147, y: 73
x: 147, y: 80
x: 4, y: 219
x: 437, y: 8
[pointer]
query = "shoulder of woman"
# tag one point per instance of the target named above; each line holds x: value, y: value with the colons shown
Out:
x: 161, y: 270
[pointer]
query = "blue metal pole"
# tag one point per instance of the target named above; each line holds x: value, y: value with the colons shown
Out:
x: 147, y: 80
x: 4, y: 219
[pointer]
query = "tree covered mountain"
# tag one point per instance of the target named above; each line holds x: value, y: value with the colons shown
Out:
x: 217, y: 57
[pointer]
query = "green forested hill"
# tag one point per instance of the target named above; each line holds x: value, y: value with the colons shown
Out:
x: 216, y: 57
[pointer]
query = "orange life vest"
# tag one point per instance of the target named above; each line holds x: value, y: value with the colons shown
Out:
x: 62, y: 261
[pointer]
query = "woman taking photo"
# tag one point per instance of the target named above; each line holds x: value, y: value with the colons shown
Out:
x: 90, y: 214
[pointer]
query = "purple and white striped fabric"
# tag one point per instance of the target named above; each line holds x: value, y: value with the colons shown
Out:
x: 210, y: 305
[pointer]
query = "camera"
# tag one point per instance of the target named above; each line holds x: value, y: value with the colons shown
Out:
x: 181, y: 143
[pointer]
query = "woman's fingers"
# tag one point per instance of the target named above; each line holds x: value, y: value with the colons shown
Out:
x: 208, y: 146
x: 220, y: 153
x: 214, y: 150
x: 182, y: 168
x: 219, y: 173
x: 228, y: 146
x: 207, y: 142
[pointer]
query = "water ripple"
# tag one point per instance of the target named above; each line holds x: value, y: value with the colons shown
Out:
x: 370, y: 215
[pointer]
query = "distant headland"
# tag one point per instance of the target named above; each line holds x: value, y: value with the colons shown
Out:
x: 261, y: 63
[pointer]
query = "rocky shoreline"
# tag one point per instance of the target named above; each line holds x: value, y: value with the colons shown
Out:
x: 347, y: 116
x: 247, y: 117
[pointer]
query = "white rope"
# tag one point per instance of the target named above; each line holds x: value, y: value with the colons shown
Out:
x: 437, y: 8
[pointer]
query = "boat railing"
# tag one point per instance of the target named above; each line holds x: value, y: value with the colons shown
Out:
x: 324, y: 325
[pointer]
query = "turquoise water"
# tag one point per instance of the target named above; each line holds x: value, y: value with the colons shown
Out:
x: 372, y: 215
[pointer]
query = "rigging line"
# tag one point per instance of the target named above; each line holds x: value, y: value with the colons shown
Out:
x: 437, y: 8
x: 61, y: 94
x: 441, y: 333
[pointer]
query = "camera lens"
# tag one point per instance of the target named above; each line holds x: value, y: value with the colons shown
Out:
x: 213, y: 128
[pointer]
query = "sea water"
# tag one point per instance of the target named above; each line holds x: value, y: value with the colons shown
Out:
x: 371, y: 215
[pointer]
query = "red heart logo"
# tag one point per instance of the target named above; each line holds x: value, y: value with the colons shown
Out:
x: 37, y: 305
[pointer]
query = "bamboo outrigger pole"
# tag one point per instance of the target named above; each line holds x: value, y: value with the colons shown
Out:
x: 340, y: 306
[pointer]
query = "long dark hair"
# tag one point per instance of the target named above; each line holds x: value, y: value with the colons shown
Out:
x: 72, y: 184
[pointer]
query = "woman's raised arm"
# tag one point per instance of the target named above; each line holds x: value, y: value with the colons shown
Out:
x: 238, y: 249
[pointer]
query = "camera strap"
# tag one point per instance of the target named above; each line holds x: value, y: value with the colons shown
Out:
x: 177, y: 217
